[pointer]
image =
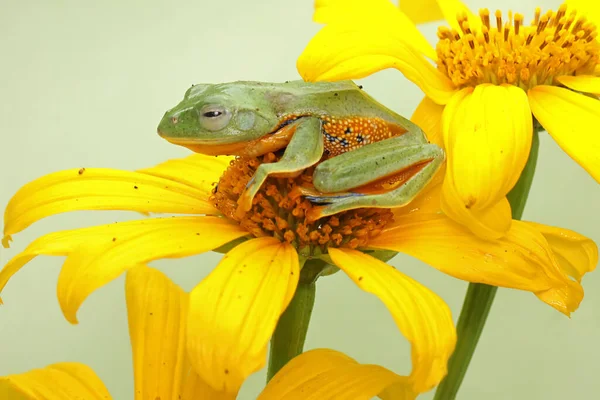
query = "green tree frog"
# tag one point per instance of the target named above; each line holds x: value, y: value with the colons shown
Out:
x: 367, y: 155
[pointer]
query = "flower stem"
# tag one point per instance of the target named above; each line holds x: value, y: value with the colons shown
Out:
x: 288, y: 339
x: 479, y: 297
x: 517, y: 197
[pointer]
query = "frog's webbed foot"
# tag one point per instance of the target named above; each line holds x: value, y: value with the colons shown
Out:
x: 304, y: 150
x: 321, y: 199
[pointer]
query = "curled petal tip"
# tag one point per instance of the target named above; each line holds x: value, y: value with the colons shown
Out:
x: 69, y: 310
x: 71, y: 318
x: 565, y: 299
x: 6, y: 241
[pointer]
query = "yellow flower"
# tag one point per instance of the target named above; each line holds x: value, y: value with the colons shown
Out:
x: 491, y: 75
x: 161, y: 368
x: 227, y: 340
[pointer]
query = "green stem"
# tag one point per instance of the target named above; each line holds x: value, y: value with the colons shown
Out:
x: 288, y: 339
x: 479, y: 297
x: 517, y: 197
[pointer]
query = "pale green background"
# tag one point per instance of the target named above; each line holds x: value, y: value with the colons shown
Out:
x: 83, y: 84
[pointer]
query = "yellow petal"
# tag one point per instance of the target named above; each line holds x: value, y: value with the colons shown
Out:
x: 488, y: 137
x: 576, y: 253
x: 522, y: 259
x: 324, y: 374
x: 99, y: 254
x: 62, y: 381
x: 341, y: 52
x: 455, y: 8
x: 581, y: 83
x: 390, y: 19
x: 489, y: 223
x: 421, y: 11
x: 427, y: 202
x: 100, y: 189
x: 194, y: 388
x: 398, y: 391
x: 157, y: 312
x: 349, y: 51
x: 234, y: 311
x: 571, y: 119
x: 588, y: 8
x: 198, y: 171
x: 494, y: 136
x: 428, y: 116
x: 454, y: 110
x: 420, y: 314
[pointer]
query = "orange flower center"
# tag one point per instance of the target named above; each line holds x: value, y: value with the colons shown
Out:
x: 554, y: 44
x: 280, y: 210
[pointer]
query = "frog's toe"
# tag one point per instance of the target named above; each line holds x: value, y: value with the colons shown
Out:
x: 315, y: 213
x: 333, y: 198
x: 244, y: 203
x: 332, y: 204
x: 250, y: 182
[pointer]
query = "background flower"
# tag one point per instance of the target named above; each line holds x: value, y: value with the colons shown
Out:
x: 491, y: 75
x: 157, y: 330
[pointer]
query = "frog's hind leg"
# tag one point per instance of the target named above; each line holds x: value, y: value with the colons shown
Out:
x: 304, y: 150
x: 386, y: 175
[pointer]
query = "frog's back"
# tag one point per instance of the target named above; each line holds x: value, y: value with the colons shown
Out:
x: 336, y: 99
x: 351, y: 118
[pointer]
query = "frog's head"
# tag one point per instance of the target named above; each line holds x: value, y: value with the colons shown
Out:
x: 219, y: 119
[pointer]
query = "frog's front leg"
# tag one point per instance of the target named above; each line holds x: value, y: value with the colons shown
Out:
x: 384, y: 174
x: 304, y: 150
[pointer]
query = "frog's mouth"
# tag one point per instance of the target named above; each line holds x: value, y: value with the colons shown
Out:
x: 249, y: 148
x: 208, y: 147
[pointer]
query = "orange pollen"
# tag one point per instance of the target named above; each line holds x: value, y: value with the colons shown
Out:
x: 554, y: 44
x: 279, y: 210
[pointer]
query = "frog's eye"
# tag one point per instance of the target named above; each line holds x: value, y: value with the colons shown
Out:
x: 214, y: 118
